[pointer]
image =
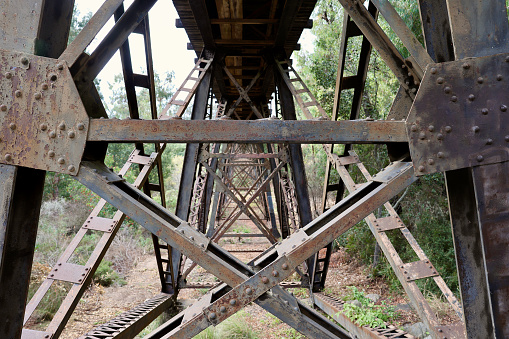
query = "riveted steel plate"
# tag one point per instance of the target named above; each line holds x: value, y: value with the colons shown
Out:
x: 387, y: 224
x: 69, y: 272
x: 460, y: 117
x: 418, y: 270
x: 32, y: 334
x: 43, y: 123
x: 100, y: 224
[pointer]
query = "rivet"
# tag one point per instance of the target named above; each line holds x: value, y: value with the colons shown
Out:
x: 53, y: 77
x: 433, y: 70
x: 489, y: 141
x: 440, y: 330
x: 507, y: 59
x: 476, y: 129
x: 60, y: 66
x: 447, y: 90
x: 421, y: 168
x: 192, y: 238
x: 249, y: 291
x: 61, y: 126
x: 413, y: 90
x: 212, y: 316
x: 480, y: 158
x: 403, y: 66
x: 440, y: 80
x: 471, y: 97
x: 3, y: 108
x: 448, y: 129
x: 61, y: 161
x: 480, y: 80
x: 466, y: 65
x: 233, y: 302
x: 454, y: 98
x: 265, y: 280
x: 8, y: 75
x: 45, y: 86
x: 222, y: 309
x: 81, y: 126
x: 506, y: 138
x: 287, y: 302
x: 43, y: 127
x: 431, y: 128
x: 182, y: 231
x: 484, y: 111
x: 440, y: 154
x: 296, y: 308
x: 499, y: 77
x: 405, y: 272
x: 431, y: 161
x: 422, y: 136
x: 71, y: 168
x: 24, y: 60
x: 275, y: 273
x: 52, y: 134
x: 37, y: 96
x: 71, y: 134
x: 413, y: 128
x: 202, y: 245
x: 284, y: 266
x: 440, y: 136
x: 51, y: 154
x: 408, y: 278
x: 12, y: 126
x: 503, y: 108
x: 8, y: 157
x: 18, y: 93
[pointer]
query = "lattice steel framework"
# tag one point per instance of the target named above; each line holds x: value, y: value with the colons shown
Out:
x: 448, y: 116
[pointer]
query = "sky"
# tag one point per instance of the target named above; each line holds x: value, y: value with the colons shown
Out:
x: 169, y: 44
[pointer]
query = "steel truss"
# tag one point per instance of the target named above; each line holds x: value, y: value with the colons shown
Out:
x: 240, y: 156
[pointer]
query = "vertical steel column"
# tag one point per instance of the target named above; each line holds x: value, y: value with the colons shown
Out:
x: 41, y: 28
x: 190, y: 162
x: 296, y: 160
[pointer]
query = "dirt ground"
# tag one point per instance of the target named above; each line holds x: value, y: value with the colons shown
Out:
x: 99, y: 304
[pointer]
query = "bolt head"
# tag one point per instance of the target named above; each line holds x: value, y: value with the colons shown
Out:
x: 422, y: 136
x: 233, y: 302
x: 71, y: 168
x: 275, y: 273
x: 422, y: 168
x: 192, y: 238
x: 61, y: 126
x: 45, y: 86
x: 60, y: 66
x: 480, y: 158
x: 440, y: 136
x: 222, y: 309
x: 3, y: 108
x: 18, y: 93
x: 507, y: 59
x: 440, y: 80
x: 471, y: 97
x: 499, y: 77
x: 24, y: 60
x: 503, y: 108
x: 51, y: 154
x: 8, y: 75
x: 466, y: 65
x: 506, y: 138
x: 71, y: 134
x: 8, y: 157
x: 447, y: 90
x: 489, y: 141
x: 43, y: 127
x: 265, y: 280
x: 52, y: 134
x: 476, y: 129
x: 484, y: 111
x: 433, y: 70
x: 284, y: 266
x: 431, y: 128
x: 61, y: 161
x: 454, y: 98
x: 212, y: 316
x: 480, y: 80
x: 431, y: 161
x: 440, y: 154
x: 249, y: 291
x: 81, y: 126
x: 413, y: 128
x: 448, y: 129
x: 12, y: 126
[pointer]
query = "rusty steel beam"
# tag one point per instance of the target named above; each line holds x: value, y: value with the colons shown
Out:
x: 255, y: 131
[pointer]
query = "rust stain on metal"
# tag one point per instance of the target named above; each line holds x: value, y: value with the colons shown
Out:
x: 43, y: 123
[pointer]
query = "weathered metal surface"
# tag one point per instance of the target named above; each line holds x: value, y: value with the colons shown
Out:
x: 388, y: 223
x: 418, y: 270
x: 333, y: 308
x: 43, y: 122
x: 99, y: 224
x: 69, y: 272
x: 255, y: 131
x: 127, y: 325
x: 465, y: 123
